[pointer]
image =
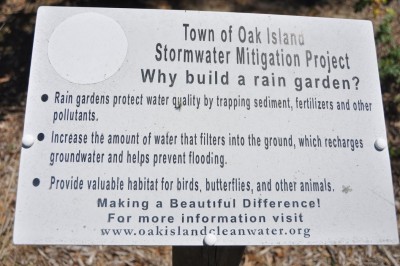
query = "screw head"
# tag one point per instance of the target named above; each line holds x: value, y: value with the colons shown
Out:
x: 380, y: 144
x: 27, y: 141
x: 210, y: 240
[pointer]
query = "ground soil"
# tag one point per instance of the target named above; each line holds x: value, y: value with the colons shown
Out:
x: 17, y: 19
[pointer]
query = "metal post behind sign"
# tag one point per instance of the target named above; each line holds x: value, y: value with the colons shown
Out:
x: 207, y: 255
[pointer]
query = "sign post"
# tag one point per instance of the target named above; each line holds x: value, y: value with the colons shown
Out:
x: 184, y: 128
x: 206, y: 255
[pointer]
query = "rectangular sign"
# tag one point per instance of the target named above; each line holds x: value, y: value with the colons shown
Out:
x: 152, y: 127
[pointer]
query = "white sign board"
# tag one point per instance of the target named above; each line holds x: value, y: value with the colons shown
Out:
x: 151, y: 127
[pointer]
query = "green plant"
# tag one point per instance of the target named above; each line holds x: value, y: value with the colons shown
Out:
x: 389, y: 50
x: 389, y: 66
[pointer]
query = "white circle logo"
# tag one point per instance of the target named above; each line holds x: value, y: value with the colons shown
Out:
x: 87, y: 48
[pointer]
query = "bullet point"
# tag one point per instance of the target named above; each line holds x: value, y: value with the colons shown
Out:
x: 45, y: 97
x: 40, y: 136
x: 36, y: 182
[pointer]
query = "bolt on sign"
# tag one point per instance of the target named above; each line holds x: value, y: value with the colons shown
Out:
x: 153, y: 127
